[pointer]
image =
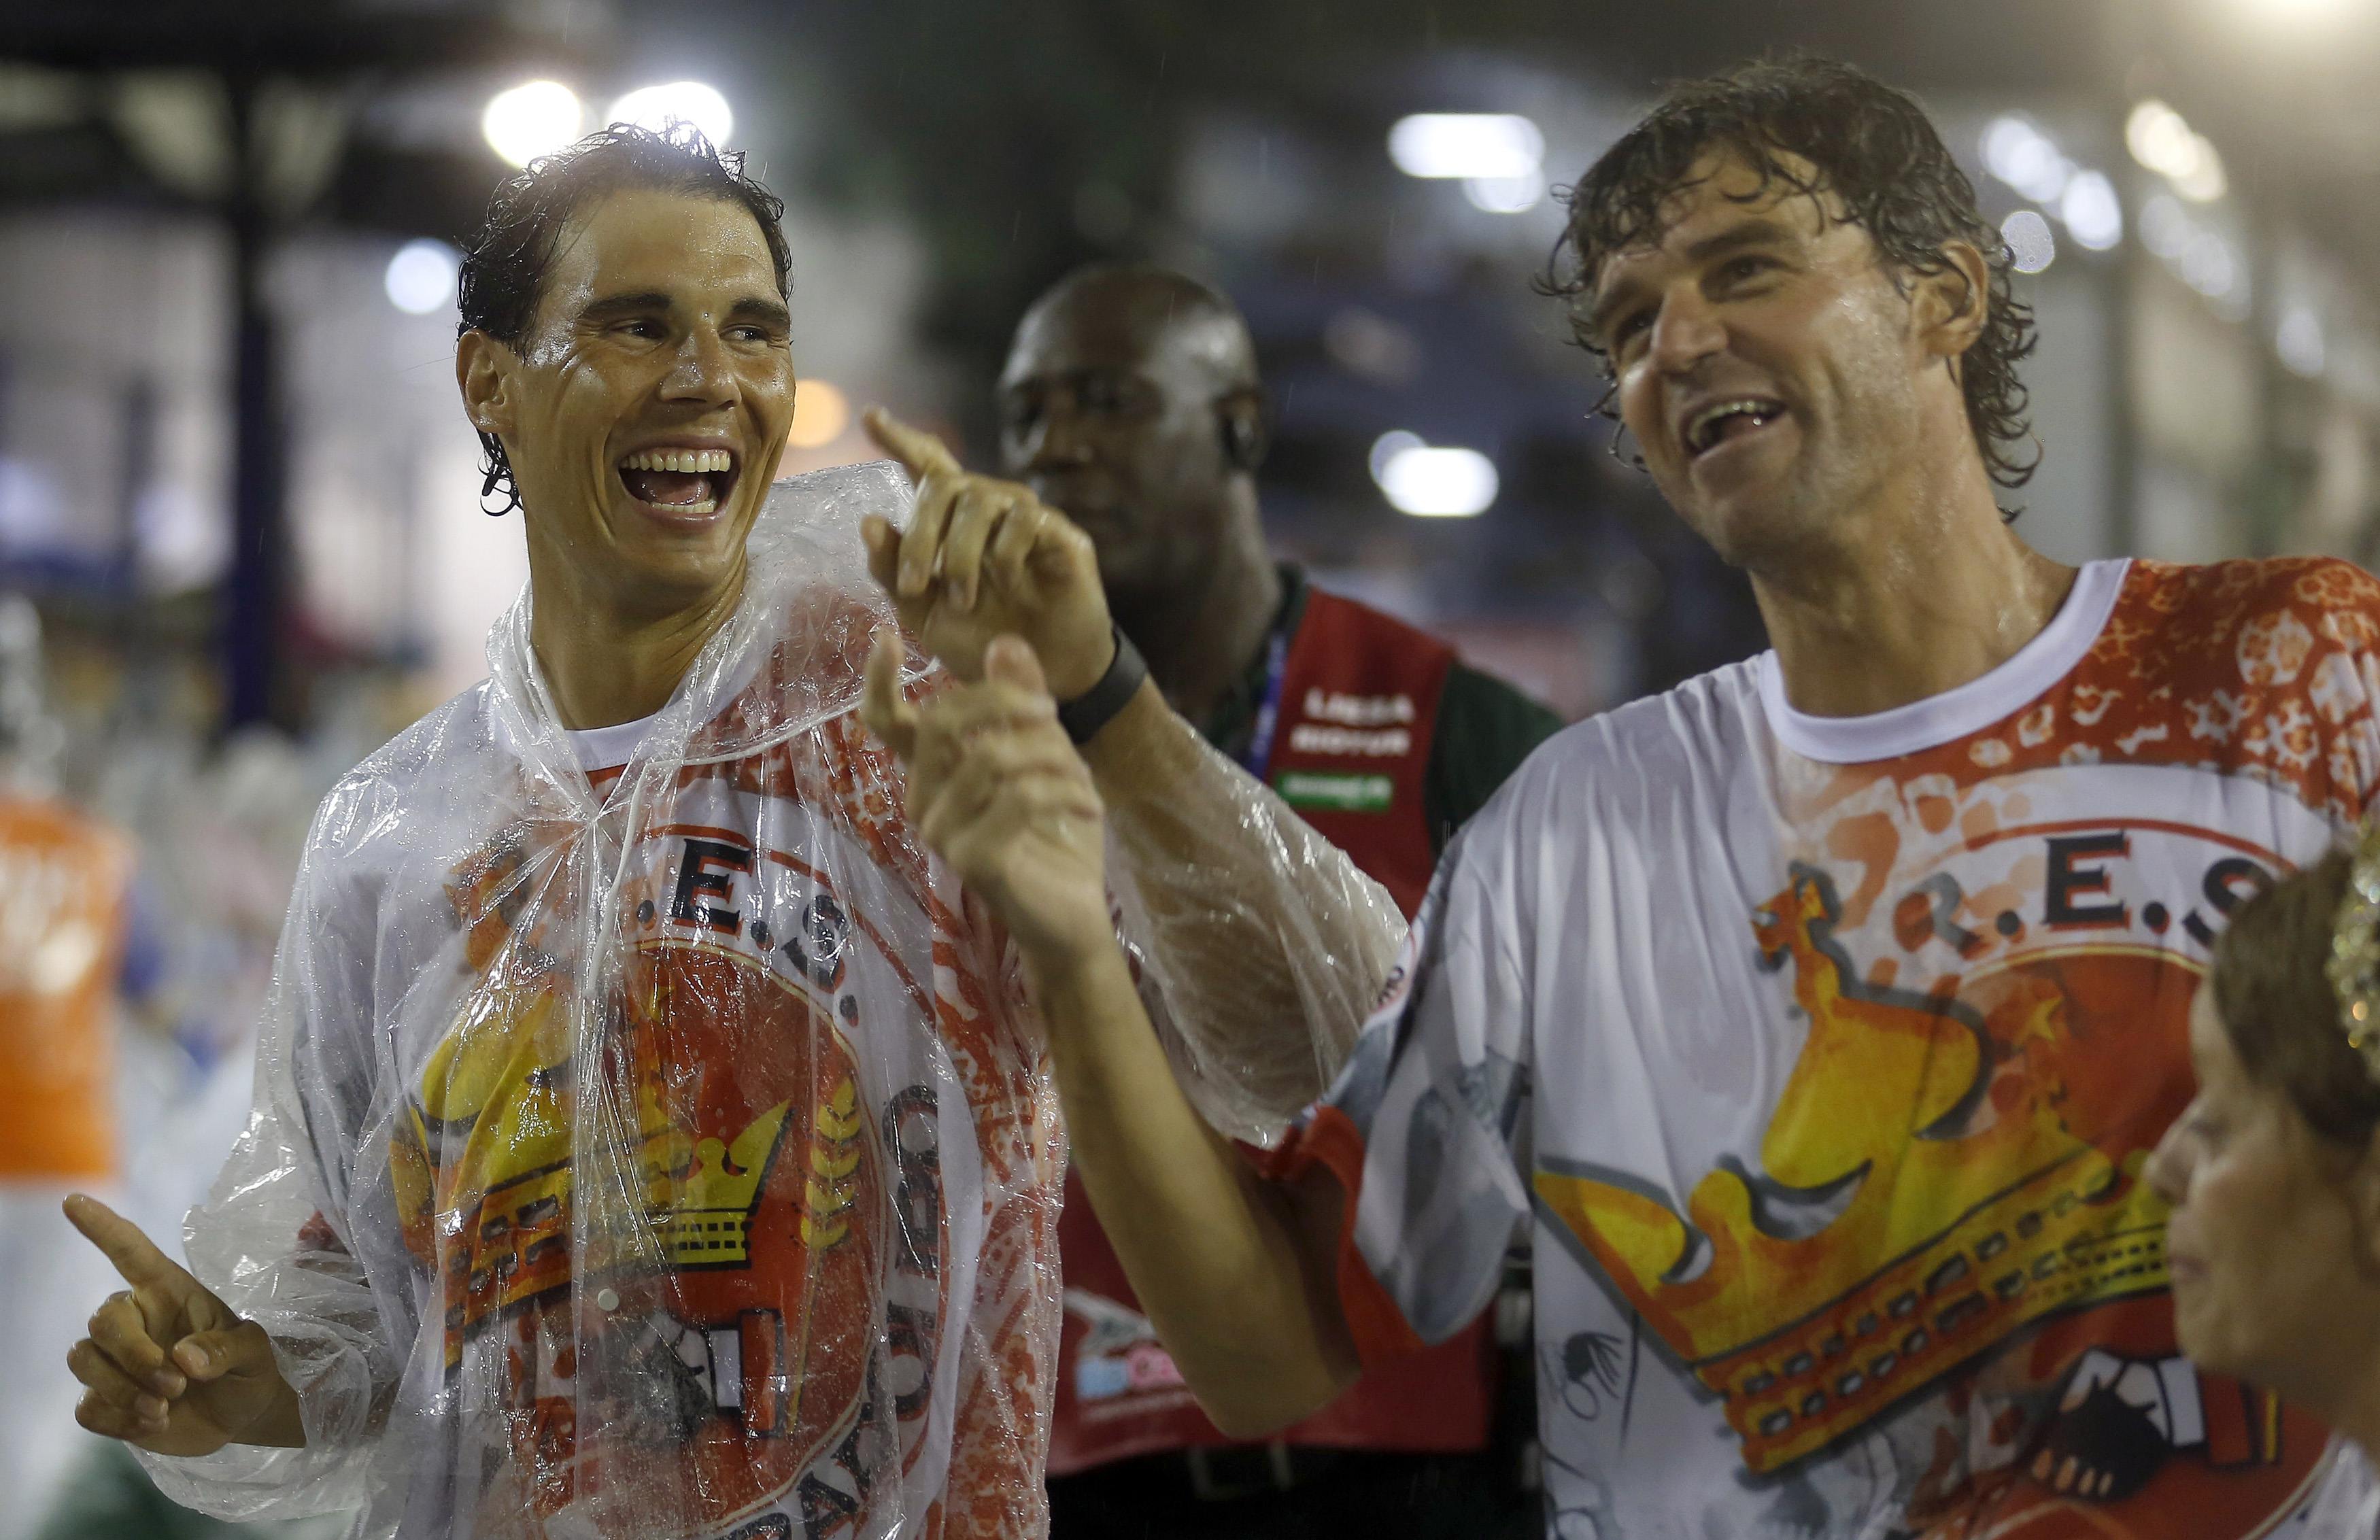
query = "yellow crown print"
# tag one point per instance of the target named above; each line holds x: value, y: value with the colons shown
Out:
x: 709, y: 1224
x: 1926, y: 1191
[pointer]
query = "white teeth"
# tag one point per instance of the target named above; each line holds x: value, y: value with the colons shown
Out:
x: 1699, y: 433
x: 689, y: 461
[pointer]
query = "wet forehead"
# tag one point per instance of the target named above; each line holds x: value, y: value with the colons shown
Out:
x: 641, y: 241
x: 1117, y: 330
x: 1724, y: 192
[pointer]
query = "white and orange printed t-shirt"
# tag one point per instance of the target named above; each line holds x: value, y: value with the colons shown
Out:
x: 800, y: 1053
x: 1820, y: 1058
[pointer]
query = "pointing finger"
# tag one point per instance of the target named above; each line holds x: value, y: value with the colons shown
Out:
x: 135, y: 1255
x: 920, y: 452
x: 921, y: 547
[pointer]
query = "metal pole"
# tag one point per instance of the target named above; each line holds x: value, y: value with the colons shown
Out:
x: 253, y: 628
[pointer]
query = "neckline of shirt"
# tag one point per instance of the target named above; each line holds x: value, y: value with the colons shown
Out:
x: 603, y: 748
x: 1975, y: 704
x: 610, y: 749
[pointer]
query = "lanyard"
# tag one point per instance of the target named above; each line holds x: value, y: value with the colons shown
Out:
x: 1258, y: 756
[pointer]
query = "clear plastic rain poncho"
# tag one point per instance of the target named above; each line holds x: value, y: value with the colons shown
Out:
x: 674, y: 1154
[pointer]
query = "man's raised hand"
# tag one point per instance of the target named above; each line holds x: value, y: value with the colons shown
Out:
x: 168, y: 1367
x: 984, y: 558
x: 996, y: 789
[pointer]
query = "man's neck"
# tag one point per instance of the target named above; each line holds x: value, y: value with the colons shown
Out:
x: 605, y: 666
x: 1201, y: 640
x: 1923, y: 594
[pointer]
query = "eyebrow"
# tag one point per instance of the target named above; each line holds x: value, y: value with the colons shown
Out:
x: 1752, y: 232
x: 767, y: 313
x: 614, y: 307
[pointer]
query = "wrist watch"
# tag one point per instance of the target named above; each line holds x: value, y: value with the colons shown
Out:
x: 1086, y: 713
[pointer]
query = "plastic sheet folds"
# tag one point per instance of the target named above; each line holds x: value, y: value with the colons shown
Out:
x: 665, y: 1154
x: 673, y: 1153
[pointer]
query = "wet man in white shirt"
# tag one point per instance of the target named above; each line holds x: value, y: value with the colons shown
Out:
x: 1813, y: 1019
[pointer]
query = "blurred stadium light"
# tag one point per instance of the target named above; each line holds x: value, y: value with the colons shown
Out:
x: 530, y: 121
x: 1430, y: 482
x: 1499, y: 157
x: 420, y: 278
x: 699, y: 106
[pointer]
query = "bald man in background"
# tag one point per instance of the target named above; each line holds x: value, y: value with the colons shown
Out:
x: 1131, y: 401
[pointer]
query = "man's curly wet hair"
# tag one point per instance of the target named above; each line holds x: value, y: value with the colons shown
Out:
x: 1875, y: 157
x: 504, y: 272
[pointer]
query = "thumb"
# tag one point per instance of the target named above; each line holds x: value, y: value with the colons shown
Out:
x: 210, y: 1355
x: 1011, y: 660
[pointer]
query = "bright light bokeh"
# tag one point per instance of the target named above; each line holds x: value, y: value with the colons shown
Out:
x: 1434, y: 482
x: 820, y: 414
x: 531, y: 120
x: 2301, y: 344
x: 2084, y: 201
x: 1506, y: 195
x: 1483, y: 146
x: 2160, y: 140
x: 2031, y: 245
x: 1391, y: 444
x: 699, y: 106
x: 420, y: 277
x: 2093, y: 213
x: 2024, y: 157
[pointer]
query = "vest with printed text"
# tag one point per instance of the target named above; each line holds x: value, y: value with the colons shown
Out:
x: 1357, y: 717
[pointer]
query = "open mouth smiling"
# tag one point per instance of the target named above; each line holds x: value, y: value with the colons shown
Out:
x: 1722, y: 421
x: 680, y: 484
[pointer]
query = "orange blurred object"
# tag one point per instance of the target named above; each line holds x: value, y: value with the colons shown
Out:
x: 63, y: 881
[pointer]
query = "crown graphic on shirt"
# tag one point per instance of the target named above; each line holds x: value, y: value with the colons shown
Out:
x: 709, y: 1223
x: 1925, y: 1193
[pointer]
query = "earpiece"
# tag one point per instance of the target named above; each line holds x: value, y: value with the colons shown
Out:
x: 1243, y: 440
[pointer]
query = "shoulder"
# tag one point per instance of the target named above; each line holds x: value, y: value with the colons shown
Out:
x: 2266, y: 614
x: 1636, y: 766
x: 373, y: 813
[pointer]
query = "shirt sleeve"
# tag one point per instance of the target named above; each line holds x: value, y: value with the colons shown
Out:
x: 1485, y: 729
x: 1427, y: 1127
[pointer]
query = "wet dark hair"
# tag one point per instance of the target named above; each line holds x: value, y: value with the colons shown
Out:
x: 1876, y: 156
x: 505, y: 269
x: 2279, y: 1012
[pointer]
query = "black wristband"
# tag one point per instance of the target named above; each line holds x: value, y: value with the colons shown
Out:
x: 1086, y: 713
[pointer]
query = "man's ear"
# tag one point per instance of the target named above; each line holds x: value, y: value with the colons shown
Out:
x: 1953, y: 304
x: 483, y: 370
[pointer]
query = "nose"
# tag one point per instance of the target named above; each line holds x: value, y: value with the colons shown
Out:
x: 1054, y: 442
x: 2167, y: 1171
x: 702, y: 373
x: 1686, y: 332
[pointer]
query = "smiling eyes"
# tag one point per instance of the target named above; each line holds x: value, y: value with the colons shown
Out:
x: 1729, y: 280
x: 649, y: 329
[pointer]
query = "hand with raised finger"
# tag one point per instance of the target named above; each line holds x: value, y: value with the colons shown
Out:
x: 1010, y: 807
x: 983, y: 558
x: 167, y: 1365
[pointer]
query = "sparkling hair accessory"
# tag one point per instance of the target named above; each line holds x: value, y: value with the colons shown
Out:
x: 2354, y: 966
